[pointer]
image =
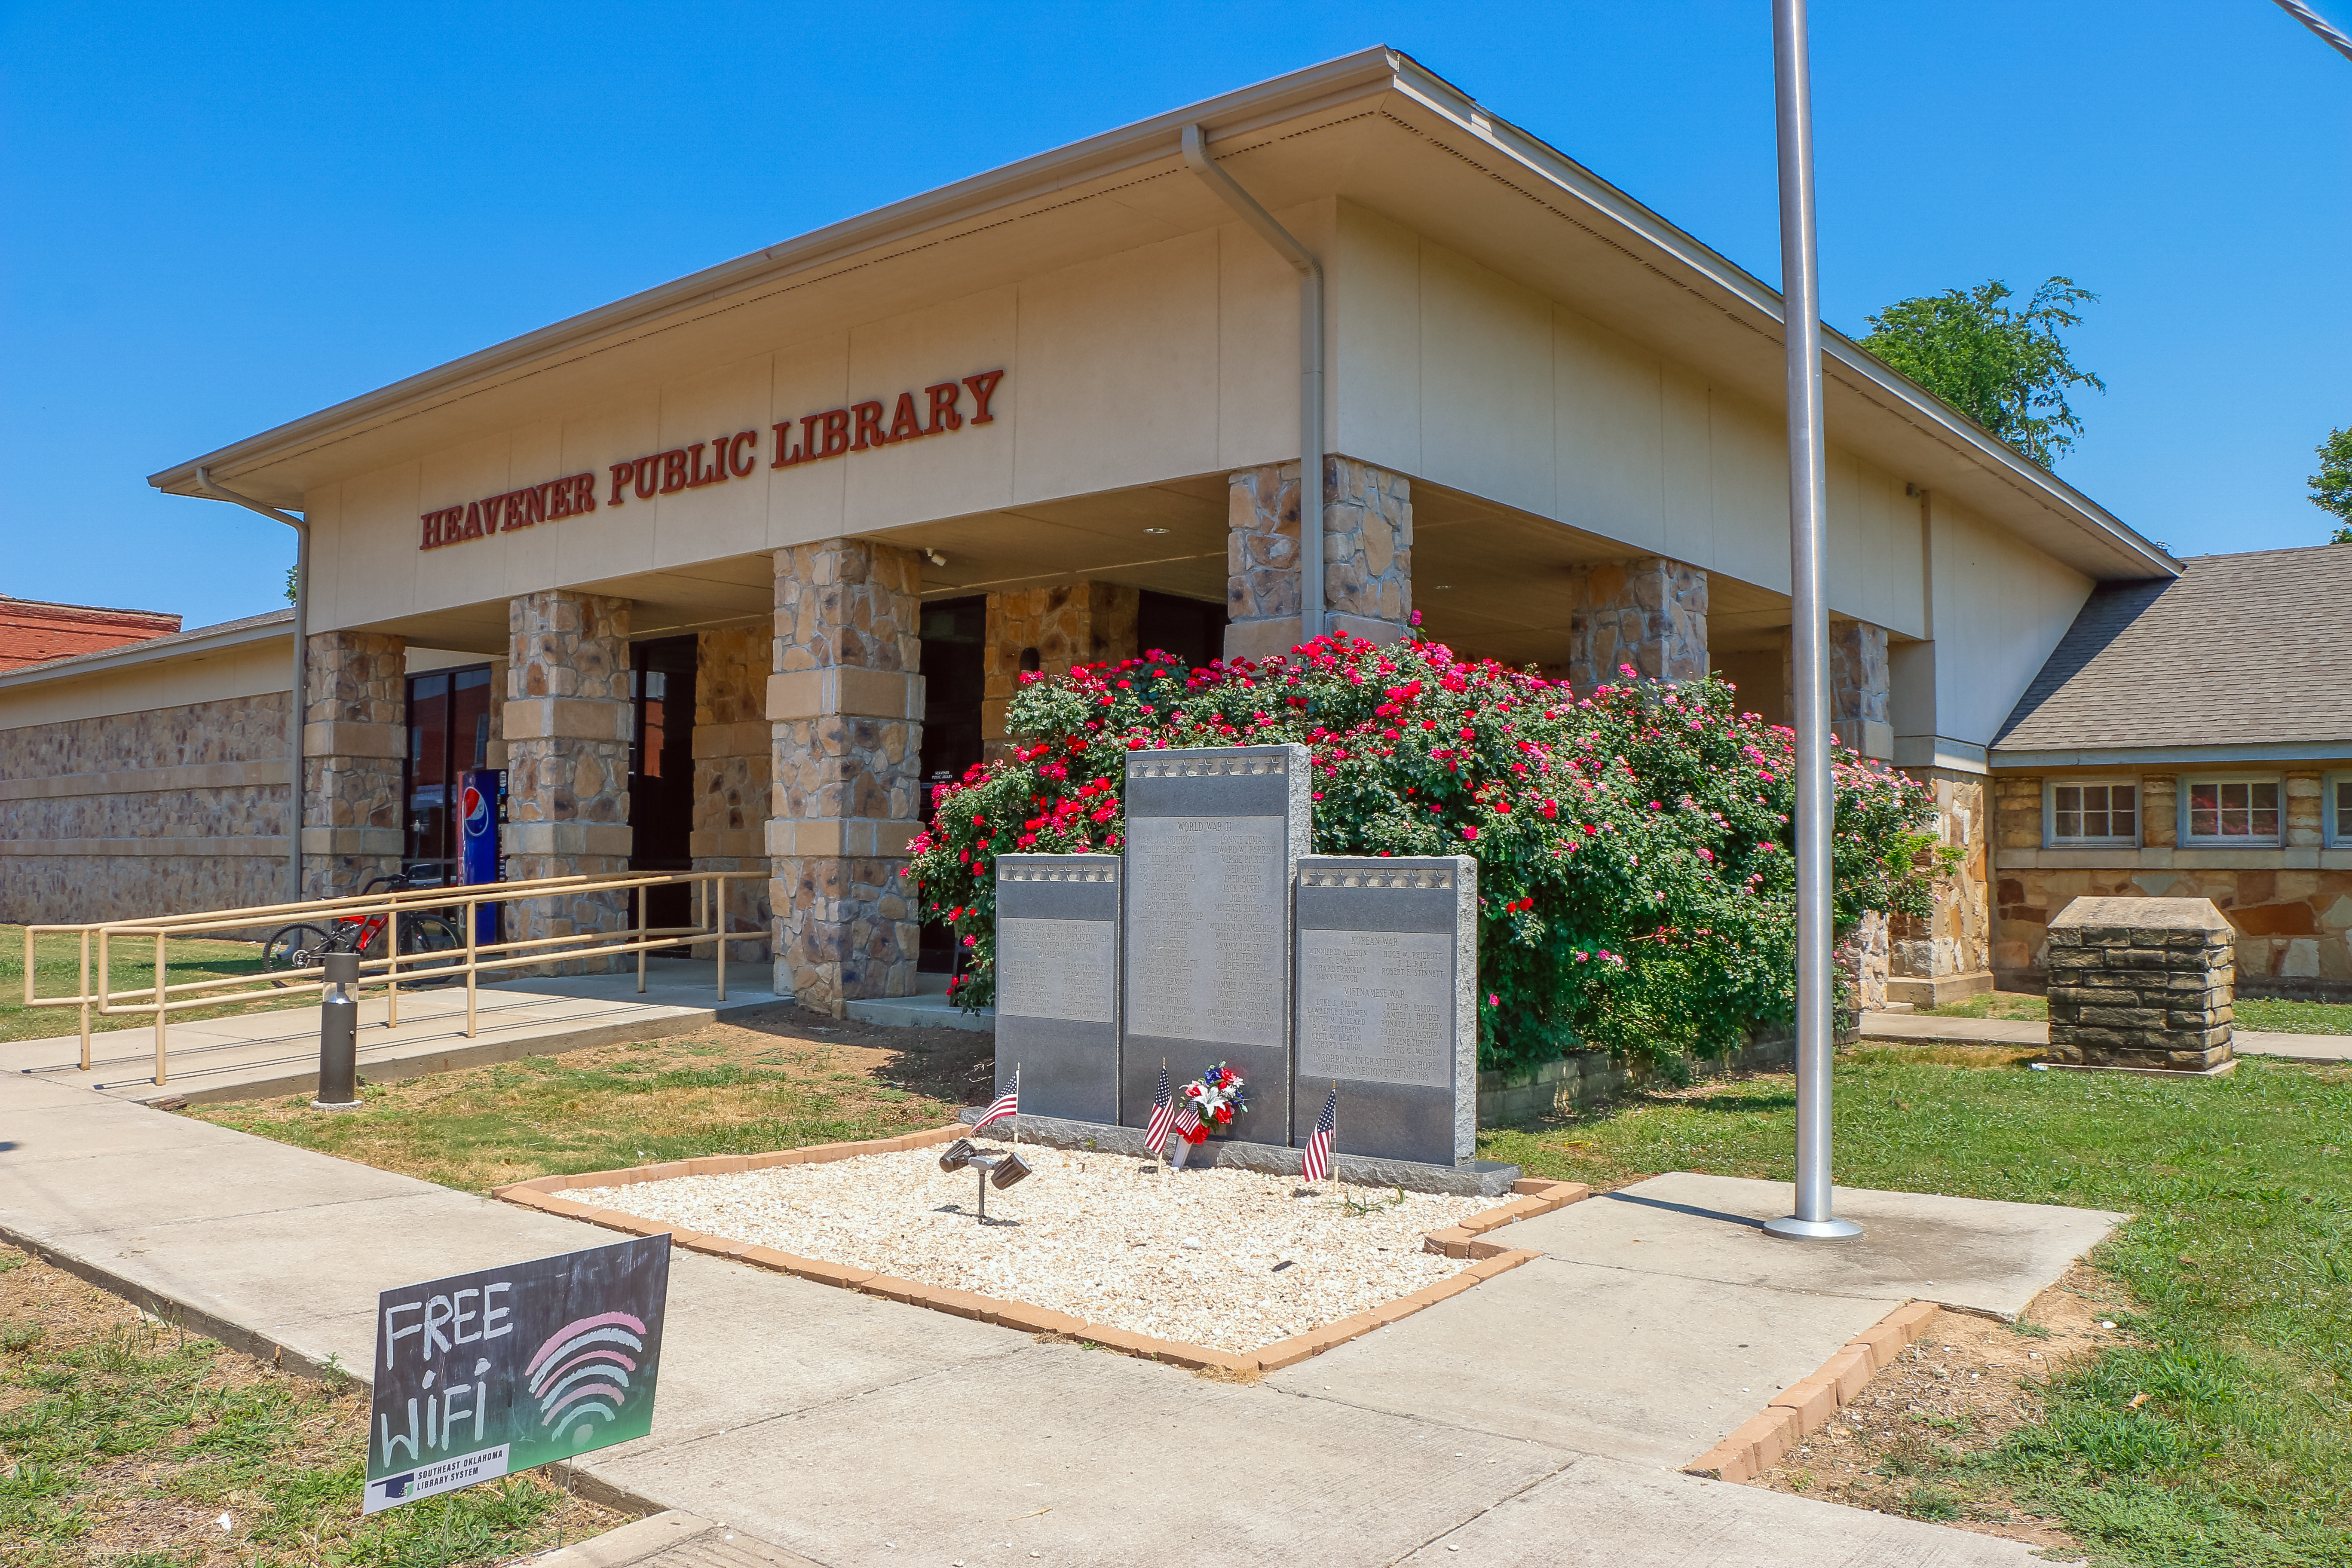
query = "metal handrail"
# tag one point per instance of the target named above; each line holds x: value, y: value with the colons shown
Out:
x: 163, y: 997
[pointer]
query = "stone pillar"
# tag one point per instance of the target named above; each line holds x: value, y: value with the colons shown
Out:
x: 845, y: 701
x: 1863, y: 957
x: 1366, y: 550
x: 1859, y: 686
x: 1367, y: 555
x: 1648, y: 613
x: 2022, y: 901
x: 732, y: 760
x: 355, y: 735
x: 1947, y: 956
x: 1062, y: 627
x: 569, y: 724
x: 2146, y: 984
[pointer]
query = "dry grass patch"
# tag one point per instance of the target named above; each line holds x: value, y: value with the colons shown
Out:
x: 779, y: 1078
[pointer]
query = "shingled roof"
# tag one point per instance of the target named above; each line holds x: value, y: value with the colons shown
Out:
x: 2239, y: 651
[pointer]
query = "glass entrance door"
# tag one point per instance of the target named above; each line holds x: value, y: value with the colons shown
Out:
x: 448, y: 732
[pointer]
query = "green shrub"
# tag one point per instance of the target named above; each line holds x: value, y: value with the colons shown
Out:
x: 1636, y: 890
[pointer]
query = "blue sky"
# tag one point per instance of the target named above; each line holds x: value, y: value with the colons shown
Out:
x: 225, y: 217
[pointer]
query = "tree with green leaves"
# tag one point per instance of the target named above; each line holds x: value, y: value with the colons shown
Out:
x: 2006, y: 368
x: 2331, y: 488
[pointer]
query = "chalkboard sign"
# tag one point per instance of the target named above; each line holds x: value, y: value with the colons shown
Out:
x: 480, y: 1376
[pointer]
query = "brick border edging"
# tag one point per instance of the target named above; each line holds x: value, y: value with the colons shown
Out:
x: 1533, y: 1197
x: 1805, y: 1407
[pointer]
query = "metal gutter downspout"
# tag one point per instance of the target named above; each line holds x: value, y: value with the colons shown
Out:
x: 1310, y: 374
x: 296, y: 705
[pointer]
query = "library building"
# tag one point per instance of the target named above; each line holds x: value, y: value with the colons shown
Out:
x: 721, y: 575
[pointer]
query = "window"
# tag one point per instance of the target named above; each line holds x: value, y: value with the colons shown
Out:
x: 2231, y: 811
x: 2335, y: 795
x: 2094, y: 812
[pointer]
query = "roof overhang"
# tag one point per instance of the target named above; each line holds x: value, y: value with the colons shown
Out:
x: 2220, y: 756
x: 1373, y: 128
x: 179, y: 645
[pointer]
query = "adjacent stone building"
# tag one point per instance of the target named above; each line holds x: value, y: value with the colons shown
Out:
x: 2191, y: 738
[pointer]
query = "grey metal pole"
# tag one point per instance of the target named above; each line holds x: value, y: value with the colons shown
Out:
x: 1800, y: 312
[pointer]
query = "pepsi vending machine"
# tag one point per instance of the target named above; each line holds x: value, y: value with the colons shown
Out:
x: 483, y: 802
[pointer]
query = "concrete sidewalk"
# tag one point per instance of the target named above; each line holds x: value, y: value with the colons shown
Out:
x: 258, y: 1053
x: 1535, y: 1419
x: 1918, y: 1029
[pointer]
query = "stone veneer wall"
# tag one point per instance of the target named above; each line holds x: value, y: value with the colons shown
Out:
x: 2294, y: 922
x: 159, y: 810
x: 1069, y: 624
x: 846, y: 699
x: 569, y: 724
x: 354, y: 736
x: 1648, y: 613
x: 1367, y: 555
x: 1947, y: 957
x: 732, y: 764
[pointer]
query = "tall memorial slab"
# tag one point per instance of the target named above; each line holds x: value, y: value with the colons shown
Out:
x: 1058, y: 983
x: 1212, y: 836
x: 1387, y: 973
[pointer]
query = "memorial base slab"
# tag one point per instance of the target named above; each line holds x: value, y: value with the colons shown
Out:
x: 1482, y: 1178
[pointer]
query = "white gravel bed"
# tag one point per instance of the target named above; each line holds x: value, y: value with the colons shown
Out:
x: 1225, y: 1258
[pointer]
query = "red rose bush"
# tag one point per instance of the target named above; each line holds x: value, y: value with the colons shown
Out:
x: 1636, y: 890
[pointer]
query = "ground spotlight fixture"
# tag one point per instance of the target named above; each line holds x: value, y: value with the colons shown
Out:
x: 1010, y: 1168
x: 957, y: 1155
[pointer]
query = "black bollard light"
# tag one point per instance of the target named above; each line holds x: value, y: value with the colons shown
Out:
x: 339, y: 1036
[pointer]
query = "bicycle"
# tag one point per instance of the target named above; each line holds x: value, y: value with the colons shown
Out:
x: 423, y: 936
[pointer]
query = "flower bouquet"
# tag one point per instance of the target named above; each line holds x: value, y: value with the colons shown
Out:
x: 1211, y: 1102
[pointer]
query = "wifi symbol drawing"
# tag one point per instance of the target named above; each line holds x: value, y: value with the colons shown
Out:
x: 582, y: 1370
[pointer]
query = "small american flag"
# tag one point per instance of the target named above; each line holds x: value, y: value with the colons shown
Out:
x: 1186, y: 1122
x: 1007, y: 1104
x: 1163, y: 1114
x: 1318, y: 1163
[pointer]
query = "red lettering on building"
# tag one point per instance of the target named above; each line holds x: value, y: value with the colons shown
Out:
x: 504, y: 513
x: 859, y: 428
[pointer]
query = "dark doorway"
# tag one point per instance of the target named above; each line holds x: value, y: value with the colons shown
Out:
x: 661, y: 771
x: 1192, y: 629
x: 955, y: 641
x: 448, y: 732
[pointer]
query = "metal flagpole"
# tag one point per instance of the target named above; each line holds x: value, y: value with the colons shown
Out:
x: 1800, y: 312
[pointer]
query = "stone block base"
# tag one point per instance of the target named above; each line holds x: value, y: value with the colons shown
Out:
x: 1549, y: 1089
x: 2219, y: 1070
x: 1937, y: 991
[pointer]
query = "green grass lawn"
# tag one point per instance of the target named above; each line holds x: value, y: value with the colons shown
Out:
x: 2253, y: 1013
x: 2239, y: 1259
x: 57, y: 972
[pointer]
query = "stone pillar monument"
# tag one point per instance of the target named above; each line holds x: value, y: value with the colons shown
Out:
x: 2143, y: 985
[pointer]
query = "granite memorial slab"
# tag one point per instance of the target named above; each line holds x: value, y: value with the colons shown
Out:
x: 1212, y: 836
x: 1387, y: 973
x: 1057, y: 983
